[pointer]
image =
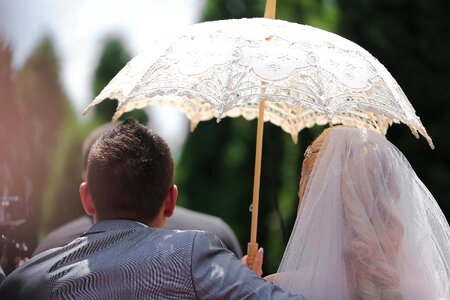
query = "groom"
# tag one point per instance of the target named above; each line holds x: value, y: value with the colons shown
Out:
x: 182, y: 218
x: 126, y: 254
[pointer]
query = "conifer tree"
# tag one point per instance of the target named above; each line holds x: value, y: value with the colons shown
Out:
x: 113, y: 58
x: 43, y: 107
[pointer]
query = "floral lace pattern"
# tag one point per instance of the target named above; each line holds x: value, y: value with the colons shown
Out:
x: 225, y: 68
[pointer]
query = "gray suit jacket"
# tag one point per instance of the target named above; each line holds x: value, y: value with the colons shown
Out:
x: 122, y: 259
x: 182, y: 219
x: 2, y: 275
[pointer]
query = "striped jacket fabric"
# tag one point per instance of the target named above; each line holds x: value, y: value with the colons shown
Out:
x: 123, y: 259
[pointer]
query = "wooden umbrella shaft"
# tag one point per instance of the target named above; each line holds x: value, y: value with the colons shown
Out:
x: 270, y: 9
x: 252, y: 247
x: 257, y: 176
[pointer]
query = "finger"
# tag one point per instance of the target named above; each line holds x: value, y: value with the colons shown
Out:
x: 270, y: 278
x: 258, y: 261
x: 244, y: 259
x: 23, y: 260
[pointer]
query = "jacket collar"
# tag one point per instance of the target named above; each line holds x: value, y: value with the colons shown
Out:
x: 114, y: 224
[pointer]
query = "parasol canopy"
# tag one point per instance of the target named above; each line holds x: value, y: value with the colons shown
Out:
x: 225, y: 68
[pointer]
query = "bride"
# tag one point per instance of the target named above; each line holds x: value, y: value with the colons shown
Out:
x: 367, y: 227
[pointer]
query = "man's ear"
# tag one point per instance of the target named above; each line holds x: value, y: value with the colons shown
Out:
x: 170, y: 202
x: 86, y: 199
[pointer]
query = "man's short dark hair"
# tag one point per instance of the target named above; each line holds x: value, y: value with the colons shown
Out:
x: 129, y: 172
x: 90, y: 140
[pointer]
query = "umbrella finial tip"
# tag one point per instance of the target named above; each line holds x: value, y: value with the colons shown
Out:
x: 193, y: 125
x: 295, y: 137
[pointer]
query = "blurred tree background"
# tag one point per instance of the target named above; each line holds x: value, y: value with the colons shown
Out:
x: 42, y: 157
x: 45, y: 136
x: 66, y: 167
x: 412, y: 39
x: 37, y: 110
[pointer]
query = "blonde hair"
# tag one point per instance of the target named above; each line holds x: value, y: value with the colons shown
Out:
x: 375, y: 276
x: 308, y: 162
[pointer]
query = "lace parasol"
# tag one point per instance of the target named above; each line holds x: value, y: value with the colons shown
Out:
x: 225, y: 68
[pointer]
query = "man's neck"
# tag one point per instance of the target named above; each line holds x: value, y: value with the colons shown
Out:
x: 158, y: 222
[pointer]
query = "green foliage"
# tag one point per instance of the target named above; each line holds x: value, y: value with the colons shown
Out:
x: 43, y: 107
x: 113, y: 58
x: 61, y: 201
x: 12, y: 162
x: 230, y: 9
x: 321, y: 14
x: 411, y: 38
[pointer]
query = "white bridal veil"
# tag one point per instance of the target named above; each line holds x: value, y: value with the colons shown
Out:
x: 367, y: 227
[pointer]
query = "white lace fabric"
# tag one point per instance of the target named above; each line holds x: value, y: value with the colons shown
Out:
x: 225, y: 68
x: 367, y: 227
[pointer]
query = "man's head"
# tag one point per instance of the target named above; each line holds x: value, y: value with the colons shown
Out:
x: 130, y: 175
